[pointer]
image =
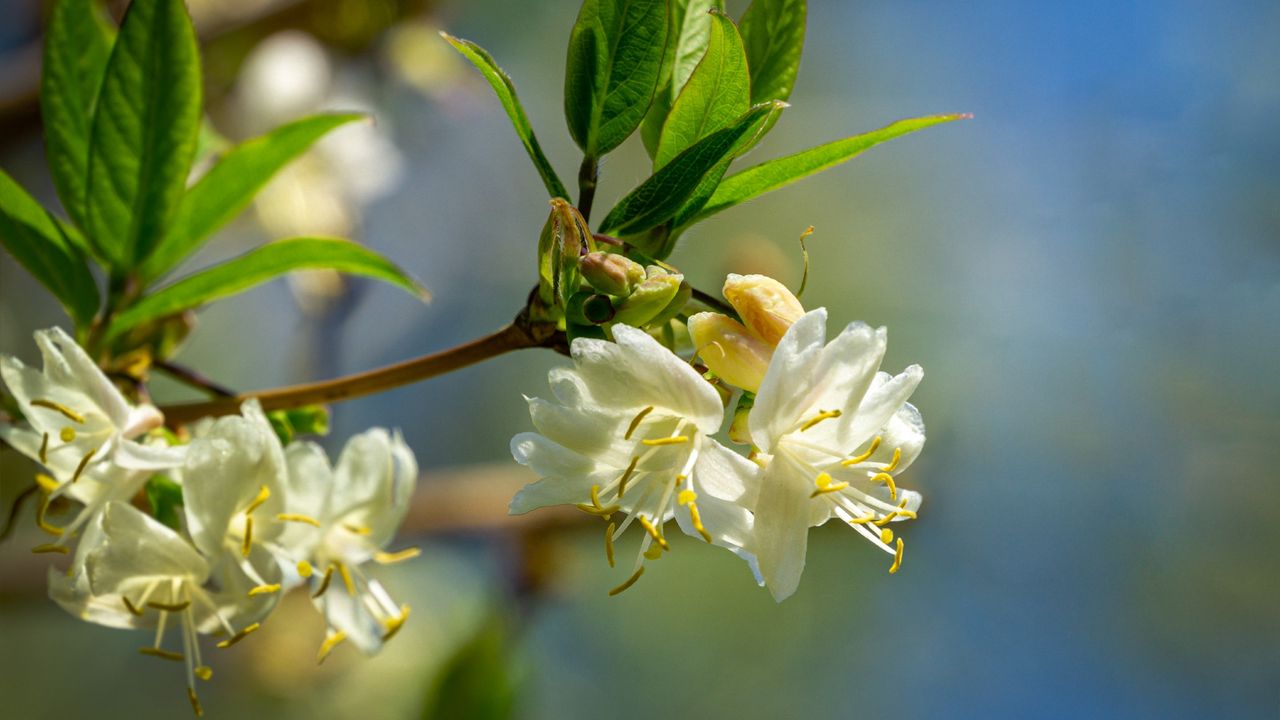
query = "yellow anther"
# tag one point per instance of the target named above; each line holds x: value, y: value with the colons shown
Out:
x: 893, y: 464
x: 871, y: 450
x: 897, y: 558
x: 822, y: 415
x: 246, y: 543
x: 886, y: 536
x: 163, y: 654
x: 84, y: 462
x: 67, y: 434
x: 887, y: 519
x: 346, y: 578
x: 49, y: 548
x: 133, y: 609
x: 361, y: 530
x: 204, y: 672
x: 391, y: 626
x: 47, y: 483
x: 264, y: 589
x: 652, y: 530
x: 622, y: 483
x: 295, y: 517
x: 635, y: 422
x: 654, y: 552
x: 329, y: 644
x: 680, y: 480
x: 70, y: 414
x: 239, y: 636
x: 630, y: 581
x: 44, y: 449
x: 674, y: 440
x: 169, y: 607
x: 324, y: 582
x: 608, y: 542
x: 264, y: 493
x: 686, y: 497
x: 596, y: 508
x: 43, y: 524
x: 195, y: 702
x: 391, y: 558
x: 862, y: 520
x: 887, y: 479
x: 826, y: 485
x: 696, y: 517
x: 304, y: 569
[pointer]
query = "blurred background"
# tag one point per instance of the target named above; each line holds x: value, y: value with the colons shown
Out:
x: 1089, y: 272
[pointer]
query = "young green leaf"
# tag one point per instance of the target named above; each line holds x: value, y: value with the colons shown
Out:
x: 260, y: 265
x: 658, y: 198
x: 690, y: 32
x: 230, y: 185
x: 44, y: 246
x: 773, y: 32
x: 717, y: 93
x: 506, y: 92
x: 615, y: 57
x: 143, y: 132
x: 77, y: 45
x: 774, y: 174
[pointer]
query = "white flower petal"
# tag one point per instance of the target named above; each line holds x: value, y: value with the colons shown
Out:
x: 65, y: 363
x: 783, y: 395
x: 545, y: 457
x: 883, y: 400
x: 782, y: 526
x: 137, y: 549
x: 374, y: 478
x: 350, y: 615
x: 137, y: 456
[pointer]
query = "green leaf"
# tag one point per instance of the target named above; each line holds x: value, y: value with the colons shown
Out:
x: 143, y: 132
x: 658, y: 198
x: 45, y: 248
x: 480, y: 680
x: 717, y: 93
x: 306, y: 420
x: 230, y: 185
x: 774, y: 174
x: 506, y: 92
x: 165, y: 497
x: 773, y: 32
x: 77, y: 45
x: 260, y: 265
x: 615, y: 57
x: 690, y: 32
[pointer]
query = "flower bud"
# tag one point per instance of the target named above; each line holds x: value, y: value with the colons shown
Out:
x: 730, y: 350
x: 766, y: 306
x: 588, y: 308
x: 649, y: 299
x: 611, y: 273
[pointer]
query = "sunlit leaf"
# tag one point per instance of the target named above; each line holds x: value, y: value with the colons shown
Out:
x: 690, y: 32
x: 717, y: 93
x: 773, y: 32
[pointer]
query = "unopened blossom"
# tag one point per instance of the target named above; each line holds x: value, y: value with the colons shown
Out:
x: 832, y: 434
x: 729, y: 350
x: 627, y: 434
x: 766, y: 306
x: 340, y: 519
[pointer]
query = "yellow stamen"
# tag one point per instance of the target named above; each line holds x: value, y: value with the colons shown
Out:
x: 84, y: 462
x: 41, y: 523
x: 630, y: 581
x: 324, y: 583
x: 195, y: 702
x: 47, y: 483
x: 264, y: 589
x: 362, y: 530
x: 897, y: 456
x: 862, y: 520
x: 608, y: 542
x: 133, y: 609
x: 346, y: 578
x: 622, y: 483
x: 904, y: 512
x: 871, y: 450
x: 67, y: 434
x: 825, y: 485
x: 239, y: 636
x: 169, y: 607
x: 204, y: 672
x: 822, y: 415
x: 595, y: 508
x: 329, y: 644
x: 897, y: 559
x: 247, y: 542
x: 886, y: 536
x: 686, y: 496
x: 304, y: 569
x: 887, y: 479
x: 676, y: 440
x: 653, y: 531
x: 391, y: 626
x: 295, y: 517
x: 70, y: 414
x: 654, y: 552
x: 391, y: 558
x: 635, y: 422
x: 886, y: 519
x: 164, y: 654
x: 44, y: 449
x: 61, y: 549
x: 263, y: 495
x: 690, y: 498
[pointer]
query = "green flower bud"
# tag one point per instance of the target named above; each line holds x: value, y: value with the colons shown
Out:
x: 649, y: 299
x: 588, y: 308
x: 611, y: 273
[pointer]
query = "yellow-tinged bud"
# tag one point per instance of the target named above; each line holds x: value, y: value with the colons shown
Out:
x: 730, y: 350
x: 649, y: 299
x: 766, y: 306
x: 611, y: 273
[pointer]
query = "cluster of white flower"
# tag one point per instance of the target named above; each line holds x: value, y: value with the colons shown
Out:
x: 630, y: 433
x: 256, y: 519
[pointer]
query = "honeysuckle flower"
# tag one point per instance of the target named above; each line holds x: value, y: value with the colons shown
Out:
x: 628, y: 433
x: 729, y: 350
x: 75, y: 417
x: 341, y: 518
x: 766, y: 306
x: 156, y: 575
x: 832, y: 433
x: 102, y: 483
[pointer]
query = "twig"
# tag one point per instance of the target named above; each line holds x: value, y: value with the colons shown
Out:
x: 187, y: 376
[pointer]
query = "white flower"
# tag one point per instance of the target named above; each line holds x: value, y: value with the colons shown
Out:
x: 832, y: 433
x: 343, y: 517
x: 629, y: 433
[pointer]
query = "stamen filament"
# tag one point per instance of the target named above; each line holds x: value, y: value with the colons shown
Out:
x: 635, y: 422
x: 70, y: 414
x: 629, y: 582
